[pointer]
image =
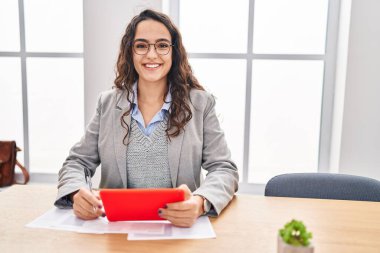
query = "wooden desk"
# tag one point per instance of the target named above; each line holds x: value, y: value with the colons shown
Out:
x: 249, y: 224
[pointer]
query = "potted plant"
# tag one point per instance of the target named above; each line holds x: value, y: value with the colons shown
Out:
x: 294, y: 238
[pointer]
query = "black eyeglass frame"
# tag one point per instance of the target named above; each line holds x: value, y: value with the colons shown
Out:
x: 150, y: 44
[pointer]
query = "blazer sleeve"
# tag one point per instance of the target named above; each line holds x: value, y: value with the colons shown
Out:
x: 222, y: 178
x: 83, y: 156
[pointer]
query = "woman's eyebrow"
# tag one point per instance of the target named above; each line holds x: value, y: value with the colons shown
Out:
x: 157, y: 40
x: 163, y: 40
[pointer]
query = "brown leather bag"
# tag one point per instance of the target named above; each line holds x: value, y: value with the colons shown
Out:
x: 8, y: 161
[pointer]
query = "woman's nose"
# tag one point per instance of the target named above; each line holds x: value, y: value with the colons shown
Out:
x: 151, y: 52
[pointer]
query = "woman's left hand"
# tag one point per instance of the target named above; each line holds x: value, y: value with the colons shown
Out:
x: 184, y: 213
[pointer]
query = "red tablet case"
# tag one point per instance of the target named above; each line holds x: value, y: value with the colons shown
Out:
x: 138, y: 204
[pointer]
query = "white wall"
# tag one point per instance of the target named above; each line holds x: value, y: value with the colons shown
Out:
x: 360, y: 137
x: 340, y: 84
x: 104, y: 25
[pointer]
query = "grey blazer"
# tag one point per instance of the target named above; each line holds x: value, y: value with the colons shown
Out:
x: 200, y: 145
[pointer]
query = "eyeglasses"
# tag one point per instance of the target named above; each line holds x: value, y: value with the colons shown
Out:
x: 142, y: 47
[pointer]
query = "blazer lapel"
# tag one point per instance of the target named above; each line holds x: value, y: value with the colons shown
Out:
x: 122, y: 106
x: 174, y: 153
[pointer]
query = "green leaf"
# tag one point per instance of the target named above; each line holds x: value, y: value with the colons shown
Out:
x: 295, y: 233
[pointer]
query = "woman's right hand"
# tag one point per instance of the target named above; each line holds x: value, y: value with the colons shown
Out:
x: 87, y: 205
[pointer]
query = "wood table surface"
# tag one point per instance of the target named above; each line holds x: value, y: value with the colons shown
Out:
x: 249, y: 224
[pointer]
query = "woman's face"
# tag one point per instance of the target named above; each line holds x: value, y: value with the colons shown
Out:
x: 152, y: 67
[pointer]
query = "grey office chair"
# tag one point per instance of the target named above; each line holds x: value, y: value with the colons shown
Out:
x: 324, y: 186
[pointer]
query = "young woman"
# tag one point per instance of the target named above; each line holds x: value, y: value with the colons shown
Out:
x: 156, y: 129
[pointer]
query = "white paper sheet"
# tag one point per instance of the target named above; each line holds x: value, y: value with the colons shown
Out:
x: 64, y: 219
x: 200, y: 230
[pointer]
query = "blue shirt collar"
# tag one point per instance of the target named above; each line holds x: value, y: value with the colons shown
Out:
x: 136, y: 114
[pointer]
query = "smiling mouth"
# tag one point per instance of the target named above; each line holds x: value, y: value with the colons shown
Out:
x: 152, y: 65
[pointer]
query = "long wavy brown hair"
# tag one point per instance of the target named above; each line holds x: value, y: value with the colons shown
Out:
x: 180, y: 75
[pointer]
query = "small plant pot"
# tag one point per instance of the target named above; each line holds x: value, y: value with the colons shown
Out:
x: 283, y: 247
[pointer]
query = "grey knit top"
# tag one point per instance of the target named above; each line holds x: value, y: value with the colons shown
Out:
x: 147, y: 158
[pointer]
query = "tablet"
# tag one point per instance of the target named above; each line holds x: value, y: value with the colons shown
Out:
x: 138, y: 204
